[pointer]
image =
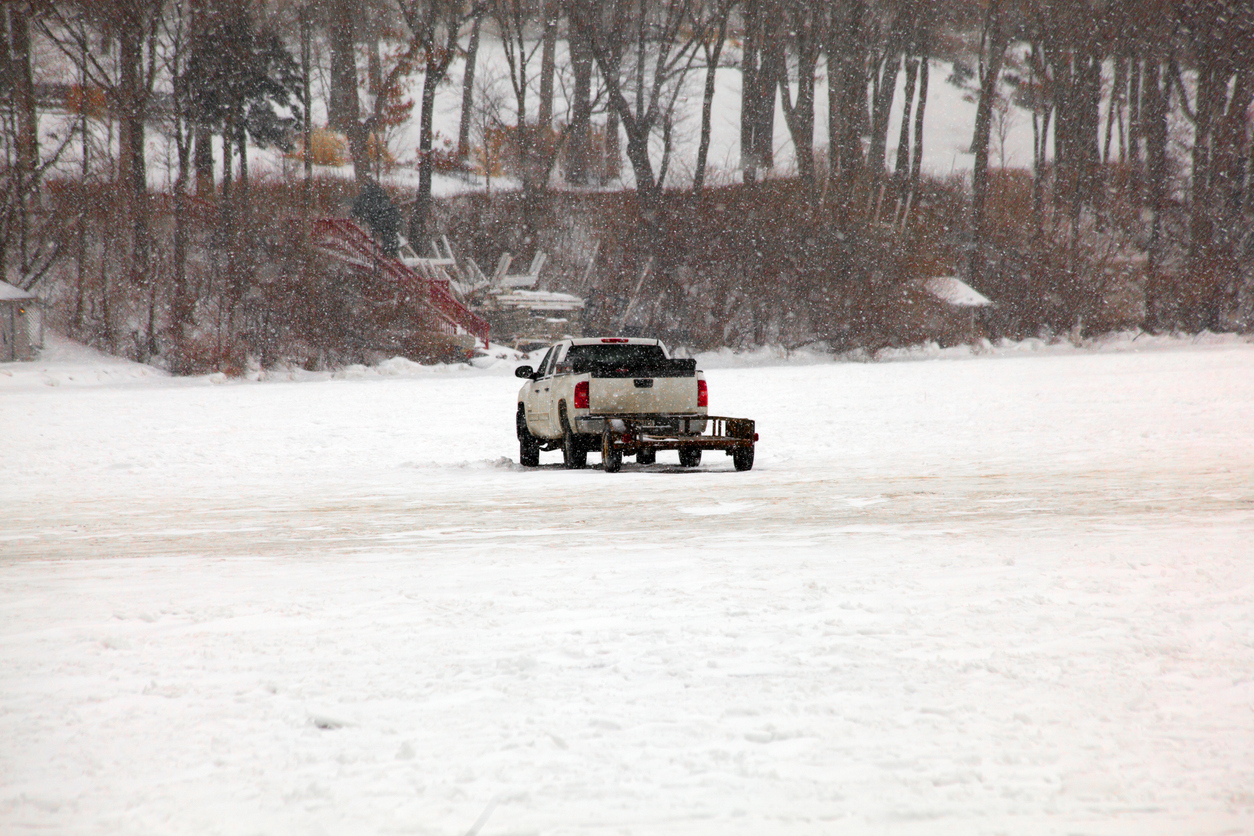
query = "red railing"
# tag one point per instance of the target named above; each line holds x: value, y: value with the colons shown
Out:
x: 344, y: 238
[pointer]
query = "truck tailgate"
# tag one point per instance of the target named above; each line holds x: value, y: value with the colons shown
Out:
x: 625, y: 395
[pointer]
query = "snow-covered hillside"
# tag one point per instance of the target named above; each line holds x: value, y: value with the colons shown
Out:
x: 977, y: 594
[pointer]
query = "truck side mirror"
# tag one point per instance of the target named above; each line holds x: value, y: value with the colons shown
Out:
x: 525, y: 371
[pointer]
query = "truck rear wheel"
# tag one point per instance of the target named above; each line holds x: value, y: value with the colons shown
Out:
x: 646, y: 457
x: 689, y: 457
x: 574, y: 453
x: 528, y: 445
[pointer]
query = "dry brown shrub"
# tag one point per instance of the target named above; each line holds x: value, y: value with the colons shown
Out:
x: 501, y: 152
x: 328, y: 148
x: 92, y: 99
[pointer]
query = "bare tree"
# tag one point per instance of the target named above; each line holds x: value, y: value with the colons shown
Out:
x: 760, y: 66
x: 434, y: 31
x: 847, y: 56
x: 479, y: 11
x: 804, y: 23
x: 993, y: 41
x: 712, y: 17
x: 579, y: 142
x: 1220, y: 37
x: 550, y: 18
x: 133, y: 25
x: 665, y: 51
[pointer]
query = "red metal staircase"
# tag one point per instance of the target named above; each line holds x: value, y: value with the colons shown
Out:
x: 353, y: 245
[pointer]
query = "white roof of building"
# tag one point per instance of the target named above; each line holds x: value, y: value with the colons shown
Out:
x: 954, y: 291
x: 9, y: 293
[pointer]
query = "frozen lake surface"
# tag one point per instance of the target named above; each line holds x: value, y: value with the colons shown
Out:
x: 1010, y: 594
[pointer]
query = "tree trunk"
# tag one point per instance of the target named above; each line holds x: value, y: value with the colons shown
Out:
x: 80, y: 255
x: 1155, y: 95
x: 749, y: 87
x: 889, y: 67
x: 883, y: 102
x: 916, y: 164
x: 769, y: 71
x: 131, y: 146
x: 799, y: 115
x: 1200, y: 232
x: 579, y: 145
x: 1114, y: 109
x: 468, y: 86
x: 1091, y: 173
x: 548, y: 62
x: 420, y: 214
x: 1136, y: 173
x: 228, y: 165
x: 611, y: 164
x: 343, y: 108
x: 995, y: 38
x: 241, y: 143
x: 707, y: 106
x: 27, y: 140
x: 901, y: 170
x: 342, y: 105
x: 181, y: 313
x: 831, y: 53
x: 23, y: 96
x: 306, y: 100
x: 848, y: 44
x: 1230, y: 156
x: 203, y: 162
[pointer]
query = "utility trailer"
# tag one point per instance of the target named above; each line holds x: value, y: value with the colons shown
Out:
x: 643, y: 435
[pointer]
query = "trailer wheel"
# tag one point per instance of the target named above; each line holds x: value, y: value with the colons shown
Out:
x: 690, y: 456
x: 646, y: 457
x: 528, y: 444
x: 611, y: 459
x: 742, y: 458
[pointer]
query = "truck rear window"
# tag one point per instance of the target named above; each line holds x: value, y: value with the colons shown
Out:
x: 626, y: 361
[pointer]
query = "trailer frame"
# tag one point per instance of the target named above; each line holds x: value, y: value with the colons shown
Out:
x: 626, y: 434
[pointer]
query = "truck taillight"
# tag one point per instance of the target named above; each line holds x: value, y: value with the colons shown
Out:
x: 581, y: 395
x: 703, y: 394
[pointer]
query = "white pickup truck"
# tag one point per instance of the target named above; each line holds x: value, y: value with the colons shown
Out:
x: 621, y: 395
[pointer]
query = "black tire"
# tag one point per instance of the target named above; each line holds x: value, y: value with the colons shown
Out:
x: 689, y: 456
x: 742, y: 458
x: 528, y: 445
x: 646, y: 457
x: 574, y: 453
x: 611, y: 460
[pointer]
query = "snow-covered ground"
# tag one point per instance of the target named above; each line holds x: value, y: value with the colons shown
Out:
x: 1009, y: 593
